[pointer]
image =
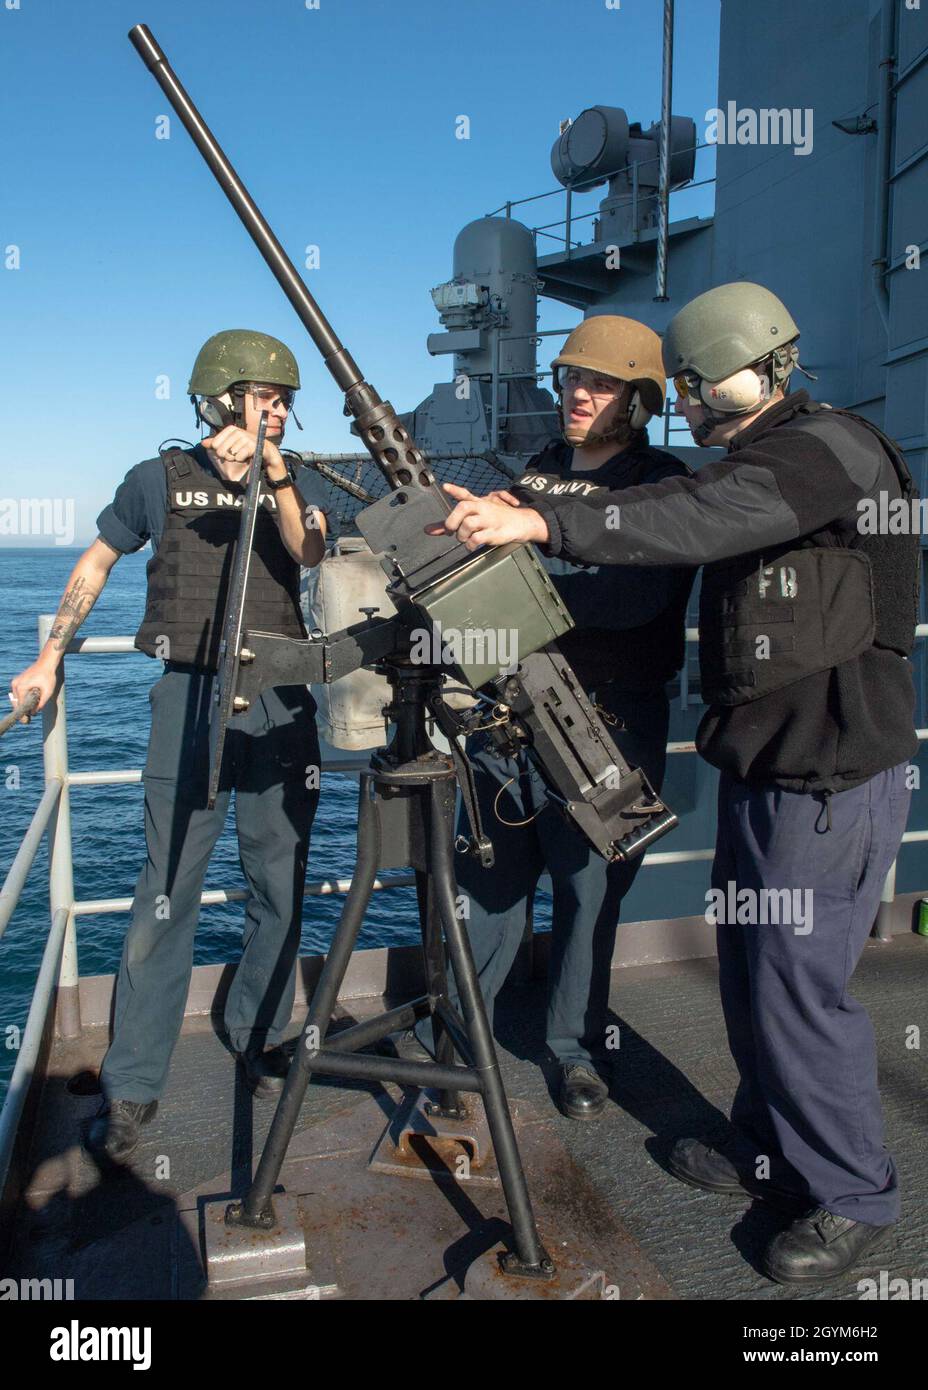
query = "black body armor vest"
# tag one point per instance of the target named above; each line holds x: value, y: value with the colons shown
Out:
x: 190, y: 573
x: 773, y: 617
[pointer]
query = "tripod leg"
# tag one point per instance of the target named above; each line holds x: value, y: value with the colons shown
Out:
x: 433, y: 950
x: 256, y: 1208
x: 530, y: 1255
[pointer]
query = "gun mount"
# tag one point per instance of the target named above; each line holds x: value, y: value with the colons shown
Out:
x: 535, y: 702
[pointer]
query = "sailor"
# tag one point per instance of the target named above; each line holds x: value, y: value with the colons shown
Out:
x: 627, y: 644
x: 187, y: 502
x: 806, y: 623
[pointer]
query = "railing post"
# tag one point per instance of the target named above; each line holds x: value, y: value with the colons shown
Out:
x: 494, y: 392
x: 567, y: 216
x: 60, y: 861
x: 635, y: 228
x: 883, y: 927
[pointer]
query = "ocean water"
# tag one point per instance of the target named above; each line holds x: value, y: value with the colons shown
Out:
x: 108, y: 715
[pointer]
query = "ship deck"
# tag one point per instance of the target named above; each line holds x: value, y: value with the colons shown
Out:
x: 602, y: 1197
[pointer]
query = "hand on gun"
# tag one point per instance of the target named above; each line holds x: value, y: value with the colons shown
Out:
x: 233, y: 449
x: 492, y: 520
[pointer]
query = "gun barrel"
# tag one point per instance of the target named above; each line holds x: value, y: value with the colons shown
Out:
x: 385, y: 437
x: 336, y: 357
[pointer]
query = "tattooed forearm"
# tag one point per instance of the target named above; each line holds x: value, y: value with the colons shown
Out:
x: 75, y: 606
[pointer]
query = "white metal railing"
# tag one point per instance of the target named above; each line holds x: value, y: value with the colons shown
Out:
x: 19, y: 869
x: 633, y: 200
x: 58, y: 971
x: 59, y: 966
x: 31, y: 1042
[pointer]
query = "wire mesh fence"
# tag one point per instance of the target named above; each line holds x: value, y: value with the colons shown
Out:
x: 353, y: 481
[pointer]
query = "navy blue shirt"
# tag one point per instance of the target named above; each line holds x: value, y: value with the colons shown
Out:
x: 137, y: 512
x: 629, y: 621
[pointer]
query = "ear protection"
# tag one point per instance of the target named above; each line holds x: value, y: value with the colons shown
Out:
x: 737, y: 394
x: 219, y: 411
x: 214, y: 411
x: 745, y: 390
x: 638, y: 414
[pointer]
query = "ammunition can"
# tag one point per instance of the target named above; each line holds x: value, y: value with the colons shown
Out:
x: 493, y: 610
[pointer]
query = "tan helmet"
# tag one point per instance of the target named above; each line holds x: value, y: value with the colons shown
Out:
x: 619, y: 347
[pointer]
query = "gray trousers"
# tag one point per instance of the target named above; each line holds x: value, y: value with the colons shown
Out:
x: 268, y: 752
x: 808, y: 1097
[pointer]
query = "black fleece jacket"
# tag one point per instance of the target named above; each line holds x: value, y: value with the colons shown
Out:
x: 780, y: 482
x: 629, y: 621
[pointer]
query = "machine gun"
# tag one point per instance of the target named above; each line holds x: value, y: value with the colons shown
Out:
x: 435, y: 580
x: 535, y: 703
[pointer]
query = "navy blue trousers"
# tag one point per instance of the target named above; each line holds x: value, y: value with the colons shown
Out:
x: 804, y: 1047
x: 587, y: 892
x: 268, y: 752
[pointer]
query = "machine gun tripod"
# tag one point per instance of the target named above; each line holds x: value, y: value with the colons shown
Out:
x: 406, y: 814
x: 406, y: 809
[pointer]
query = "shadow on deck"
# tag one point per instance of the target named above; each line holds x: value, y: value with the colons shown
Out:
x: 598, y: 1188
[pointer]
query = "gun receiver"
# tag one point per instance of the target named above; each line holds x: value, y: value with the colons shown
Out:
x: 435, y: 580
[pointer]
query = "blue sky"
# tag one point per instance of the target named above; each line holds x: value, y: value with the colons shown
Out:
x: 341, y: 122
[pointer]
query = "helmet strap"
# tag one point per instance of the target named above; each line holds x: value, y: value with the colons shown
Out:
x: 707, y: 426
x: 782, y: 361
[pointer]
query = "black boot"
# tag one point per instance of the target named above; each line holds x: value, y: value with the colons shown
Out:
x: 113, y: 1134
x: 583, y: 1093
x: 820, y: 1246
x: 698, y: 1164
x: 265, y: 1072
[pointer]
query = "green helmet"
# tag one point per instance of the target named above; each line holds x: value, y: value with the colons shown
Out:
x: 239, y: 354
x: 726, y: 329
